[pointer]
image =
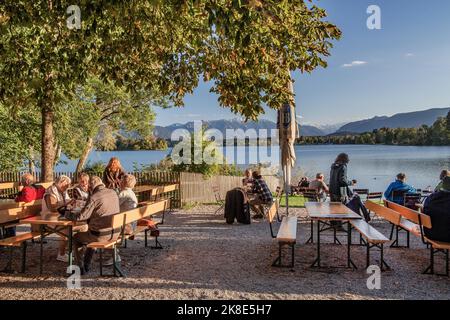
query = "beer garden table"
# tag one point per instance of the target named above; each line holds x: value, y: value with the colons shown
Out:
x: 324, y: 213
x: 48, y: 227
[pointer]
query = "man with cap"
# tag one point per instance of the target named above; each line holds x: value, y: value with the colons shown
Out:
x: 437, y: 206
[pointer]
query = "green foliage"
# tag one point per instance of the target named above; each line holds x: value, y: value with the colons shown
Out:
x: 95, y: 168
x: 19, y: 138
x: 245, y: 48
x: 99, y: 110
x: 149, y: 143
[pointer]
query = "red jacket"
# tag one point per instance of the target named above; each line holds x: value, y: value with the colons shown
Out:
x: 30, y: 193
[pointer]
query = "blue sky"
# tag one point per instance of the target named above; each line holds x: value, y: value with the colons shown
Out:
x: 403, y: 67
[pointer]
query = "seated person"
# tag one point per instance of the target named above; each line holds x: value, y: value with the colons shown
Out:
x: 398, y: 185
x: 81, y: 190
x: 263, y: 195
x: 102, y: 203
x: 56, y: 198
x: 437, y: 206
x: 127, y: 198
x: 444, y: 173
x: 248, y: 180
x: 304, y: 182
x: 29, y: 192
x: 320, y: 186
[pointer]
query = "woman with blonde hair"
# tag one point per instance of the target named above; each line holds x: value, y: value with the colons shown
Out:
x: 113, y: 174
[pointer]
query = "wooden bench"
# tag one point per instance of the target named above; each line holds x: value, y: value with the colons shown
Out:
x: 409, y: 223
x: 286, y: 235
x: 372, y: 238
x: 10, y: 218
x: 375, y: 195
x: 120, y: 220
x: 415, y: 222
x: 13, y: 186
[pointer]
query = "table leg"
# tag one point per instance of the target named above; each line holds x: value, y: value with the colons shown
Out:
x: 316, y: 262
x: 311, y: 237
x: 70, y: 245
x: 350, y: 263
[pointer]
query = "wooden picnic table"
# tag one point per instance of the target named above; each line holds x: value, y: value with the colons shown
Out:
x: 324, y: 213
x: 48, y: 227
x: 145, y: 188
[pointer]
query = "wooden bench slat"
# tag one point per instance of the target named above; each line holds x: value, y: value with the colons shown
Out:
x: 388, y: 214
x: 102, y: 244
x: 439, y: 244
x: 16, y: 241
x: 13, y: 214
x: 288, y: 230
x: 368, y: 232
x: 272, y: 212
x: 129, y: 217
x: 410, y: 226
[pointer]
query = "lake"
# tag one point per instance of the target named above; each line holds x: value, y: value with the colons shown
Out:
x: 373, y: 166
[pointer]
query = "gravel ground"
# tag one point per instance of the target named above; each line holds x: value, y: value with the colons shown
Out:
x: 204, y: 258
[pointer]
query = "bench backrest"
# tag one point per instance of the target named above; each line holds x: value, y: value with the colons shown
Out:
x: 169, y: 188
x: 361, y: 191
x: 278, y: 192
x: 410, y: 214
x: 13, y: 214
x: 386, y: 213
x: 14, y: 185
x: 311, y: 196
x: 133, y: 215
x: 15, y: 205
x: 375, y: 195
x: 272, y: 213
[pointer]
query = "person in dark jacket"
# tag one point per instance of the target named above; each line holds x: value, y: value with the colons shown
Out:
x: 437, y: 206
x: 339, y: 181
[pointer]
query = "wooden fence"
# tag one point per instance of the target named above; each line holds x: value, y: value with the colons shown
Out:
x: 194, y: 187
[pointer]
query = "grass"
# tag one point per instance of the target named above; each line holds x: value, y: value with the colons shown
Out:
x: 299, y: 201
x: 294, y: 201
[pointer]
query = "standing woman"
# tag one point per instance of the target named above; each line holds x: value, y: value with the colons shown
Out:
x: 340, y: 182
x: 113, y: 174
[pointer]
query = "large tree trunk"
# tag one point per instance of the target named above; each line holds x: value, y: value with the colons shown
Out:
x: 83, y: 158
x: 48, y: 148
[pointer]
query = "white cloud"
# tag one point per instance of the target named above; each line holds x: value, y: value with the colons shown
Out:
x: 355, y: 63
x: 409, y: 55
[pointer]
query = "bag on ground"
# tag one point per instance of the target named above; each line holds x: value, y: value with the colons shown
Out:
x: 237, y: 207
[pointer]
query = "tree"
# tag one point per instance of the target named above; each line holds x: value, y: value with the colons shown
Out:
x: 246, y: 48
x: 97, y: 114
x: 19, y: 137
x: 133, y: 43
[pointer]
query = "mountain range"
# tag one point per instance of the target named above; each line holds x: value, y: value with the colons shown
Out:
x: 400, y: 120
x: 223, y: 125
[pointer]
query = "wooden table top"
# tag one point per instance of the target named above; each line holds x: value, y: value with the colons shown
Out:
x: 330, y: 211
x: 144, y: 188
x: 37, y: 220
